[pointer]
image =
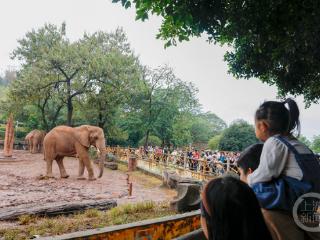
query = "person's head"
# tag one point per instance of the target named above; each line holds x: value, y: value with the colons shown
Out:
x: 249, y: 160
x: 274, y: 118
x: 230, y: 210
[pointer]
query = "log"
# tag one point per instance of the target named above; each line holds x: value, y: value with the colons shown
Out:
x: 55, y: 209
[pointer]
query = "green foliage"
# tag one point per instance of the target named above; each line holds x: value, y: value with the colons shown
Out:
x: 153, y: 141
x: 315, y: 146
x: 237, y: 136
x: 214, y: 142
x: 159, y: 99
x: 274, y: 41
x: 181, y: 130
x: 304, y: 140
x: 98, y: 80
x: 206, y: 125
x: 57, y: 72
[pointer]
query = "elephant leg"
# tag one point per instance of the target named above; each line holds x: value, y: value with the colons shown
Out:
x: 81, y: 170
x: 84, y: 157
x: 49, y: 168
x: 34, y: 147
x: 63, y: 172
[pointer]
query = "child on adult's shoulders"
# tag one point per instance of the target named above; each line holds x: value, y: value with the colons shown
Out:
x: 280, y: 224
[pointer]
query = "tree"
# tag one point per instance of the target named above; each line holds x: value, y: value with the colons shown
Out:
x: 214, y: 142
x: 275, y: 41
x: 56, y: 73
x: 315, y: 146
x: 181, y: 130
x: 304, y: 140
x: 153, y: 141
x: 237, y: 136
x: 159, y: 100
x: 206, y: 125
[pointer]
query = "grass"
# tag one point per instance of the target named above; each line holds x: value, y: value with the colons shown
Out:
x: 28, y: 226
x: 138, y: 176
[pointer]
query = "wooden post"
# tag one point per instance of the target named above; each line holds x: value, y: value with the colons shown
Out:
x: 132, y: 162
x: 228, y: 164
x: 128, y: 180
x: 130, y: 189
x: 9, y: 138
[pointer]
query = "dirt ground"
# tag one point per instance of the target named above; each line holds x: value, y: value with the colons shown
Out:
x: 20, y: 184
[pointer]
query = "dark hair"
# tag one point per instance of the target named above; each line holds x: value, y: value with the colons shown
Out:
x: 280, y: 119
x: 250, y: 157
x: 232, y: 211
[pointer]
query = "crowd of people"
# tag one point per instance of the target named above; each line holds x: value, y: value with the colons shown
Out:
x: 192, y: 158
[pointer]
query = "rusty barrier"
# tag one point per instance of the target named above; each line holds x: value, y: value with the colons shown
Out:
x: 161, y: 228
x: 197, y: 234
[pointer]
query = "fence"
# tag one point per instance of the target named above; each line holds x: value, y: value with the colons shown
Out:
x: 18, y: 145
x: 200, y: 169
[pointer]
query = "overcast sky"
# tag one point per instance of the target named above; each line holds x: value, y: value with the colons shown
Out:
x: 196, y: 61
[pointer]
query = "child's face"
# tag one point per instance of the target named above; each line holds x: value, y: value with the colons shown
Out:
x: 244, y: 175
x: 261, y: 130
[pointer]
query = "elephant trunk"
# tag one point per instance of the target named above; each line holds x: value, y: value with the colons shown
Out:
x: 103, y: 153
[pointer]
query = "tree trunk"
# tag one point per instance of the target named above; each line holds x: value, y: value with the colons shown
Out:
x: 146, y: 143
x: 70, y: 112
x: 69, y: 104
x: 9, y: 138
x: 44, y: 119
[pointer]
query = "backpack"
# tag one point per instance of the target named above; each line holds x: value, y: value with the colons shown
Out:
x: 282, y: 192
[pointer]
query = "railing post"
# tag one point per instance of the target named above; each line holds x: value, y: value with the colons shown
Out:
x: 228, y: 164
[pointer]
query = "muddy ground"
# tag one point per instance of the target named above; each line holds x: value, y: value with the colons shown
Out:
x: 20, y: 184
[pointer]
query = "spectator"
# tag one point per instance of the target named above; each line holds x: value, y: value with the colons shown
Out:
x: 230, y: 210
x: 222, y: 157
x: 280, y: 224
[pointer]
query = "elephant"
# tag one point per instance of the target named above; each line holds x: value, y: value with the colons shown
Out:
x: 65, y: 141
x: 34, y: 139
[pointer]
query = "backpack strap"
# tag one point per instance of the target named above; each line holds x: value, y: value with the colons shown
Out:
x: 294, y: 150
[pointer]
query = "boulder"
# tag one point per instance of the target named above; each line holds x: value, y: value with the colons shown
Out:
x: 111, y: 165
x: 188, y: 197
x: 171, y: 179
x: 111, y: 157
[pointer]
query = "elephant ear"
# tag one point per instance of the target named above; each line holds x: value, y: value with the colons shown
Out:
x: 81, y: 134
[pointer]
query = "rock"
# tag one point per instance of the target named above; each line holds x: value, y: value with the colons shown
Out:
x: 111, y: 165
x: 111, y: 157
x: 190, y: 180
x: 188, y: 197
x: 171, y: 179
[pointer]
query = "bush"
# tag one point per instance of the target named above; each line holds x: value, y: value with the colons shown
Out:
x: 153, y: 140
x: 237, y: 136
x: 214, y: 142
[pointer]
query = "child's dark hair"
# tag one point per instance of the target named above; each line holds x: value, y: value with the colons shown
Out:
x: 250, y: 157
x: 232, y: 211
x: 280, y: 119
